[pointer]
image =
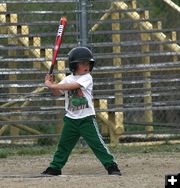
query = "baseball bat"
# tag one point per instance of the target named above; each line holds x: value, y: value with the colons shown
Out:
x: 58, y: 41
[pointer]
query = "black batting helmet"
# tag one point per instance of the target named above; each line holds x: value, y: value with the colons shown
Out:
x: 80, y: 54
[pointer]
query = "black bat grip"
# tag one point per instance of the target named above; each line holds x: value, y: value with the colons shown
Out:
x: 51, y: 69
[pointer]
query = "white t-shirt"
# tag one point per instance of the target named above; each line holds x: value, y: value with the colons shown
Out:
x: 79, y: 102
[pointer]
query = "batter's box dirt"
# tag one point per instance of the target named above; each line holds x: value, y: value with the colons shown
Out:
x: 84, y: 170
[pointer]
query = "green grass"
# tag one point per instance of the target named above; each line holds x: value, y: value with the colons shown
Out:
x: 12, y: 150
x: 159, y: 148
x: 3, y: 153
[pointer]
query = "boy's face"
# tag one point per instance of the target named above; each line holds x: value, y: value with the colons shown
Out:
x: 82, y: 68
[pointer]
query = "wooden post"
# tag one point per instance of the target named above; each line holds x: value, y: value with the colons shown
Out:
x: 48, y: 55
x: 61, y: 67
x: 108, y: 121
x: 25, y: 40
x: 3, y: 8
x: 104, y: 128
x: 114, y: 136
x: 147, y: 85
x: 12, y: 18
x: 36, y: 41
x: 134, y: 4
x: 158, y: 25
x: 103, y: 105
x: 117, y: 116
x: 173, y: 37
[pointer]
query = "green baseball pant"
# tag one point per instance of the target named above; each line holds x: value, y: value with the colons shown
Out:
x: 71, y: 132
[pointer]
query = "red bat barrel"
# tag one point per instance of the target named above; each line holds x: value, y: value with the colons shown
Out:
x: 59, y: 36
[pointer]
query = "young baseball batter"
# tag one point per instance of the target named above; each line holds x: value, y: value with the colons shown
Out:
x: 79, y: 119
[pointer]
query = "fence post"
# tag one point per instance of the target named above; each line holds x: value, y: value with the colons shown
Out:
x: 173, y: 37
x: 3, y: 8
x: 36, y: 41
x: 103, y: 104
x: 147, y: 85
x: 12, y: 18
x: 83, y: 23
x: 25, y: 31
x: 117, y: 116
x: 158, y: 25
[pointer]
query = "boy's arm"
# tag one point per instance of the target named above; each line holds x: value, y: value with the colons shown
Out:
x: 65, y: 86
x: 55, y: 92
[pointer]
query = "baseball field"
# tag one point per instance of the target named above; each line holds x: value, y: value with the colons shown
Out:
x: 144, y: 169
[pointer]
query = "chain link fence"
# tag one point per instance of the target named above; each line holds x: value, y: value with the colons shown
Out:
x: 136, y: 75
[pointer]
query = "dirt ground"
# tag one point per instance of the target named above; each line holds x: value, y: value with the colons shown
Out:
x: 85, y: 171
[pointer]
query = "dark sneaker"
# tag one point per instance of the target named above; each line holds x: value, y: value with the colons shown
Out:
x: 51, y: 171
x: 113, y: 169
